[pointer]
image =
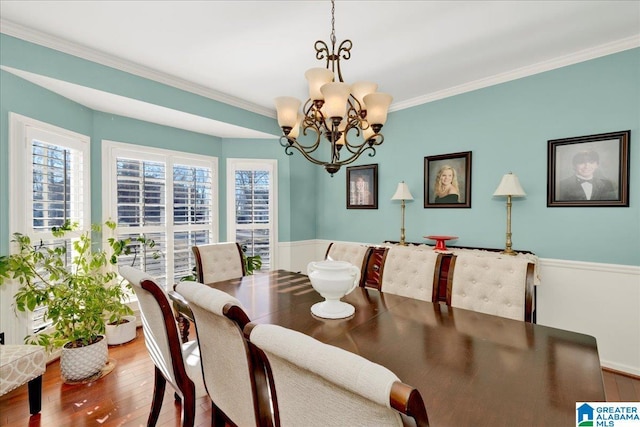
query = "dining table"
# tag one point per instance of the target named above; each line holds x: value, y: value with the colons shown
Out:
x: 472, y: 369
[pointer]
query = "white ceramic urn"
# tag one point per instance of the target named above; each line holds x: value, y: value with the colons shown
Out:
x: 333, y: 280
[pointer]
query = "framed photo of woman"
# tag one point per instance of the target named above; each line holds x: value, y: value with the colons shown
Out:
x: 362, y: 187
x: 447, y: 180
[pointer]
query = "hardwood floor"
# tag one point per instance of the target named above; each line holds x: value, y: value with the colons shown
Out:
x: 123, y: 397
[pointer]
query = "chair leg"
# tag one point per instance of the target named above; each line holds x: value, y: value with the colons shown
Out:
x: 35, y: 395
x: 217, y: 417
x: 189, y: 405
x: 158, y: 396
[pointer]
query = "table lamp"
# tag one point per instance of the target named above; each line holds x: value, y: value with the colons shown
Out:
x: 402, y: 193
x: 510, y: 187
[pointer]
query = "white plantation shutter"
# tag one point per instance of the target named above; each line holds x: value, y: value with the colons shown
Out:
x: 165, y: 196
x: 49, y: 184
x: 250, y: 199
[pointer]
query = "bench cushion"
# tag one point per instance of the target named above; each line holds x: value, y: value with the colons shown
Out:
x: 19, y: 364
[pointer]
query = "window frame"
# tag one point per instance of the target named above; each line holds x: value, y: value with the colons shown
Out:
x: 22, y: 130
x: 111, y: 150
x: 20, y: 190
x: 234, y: 164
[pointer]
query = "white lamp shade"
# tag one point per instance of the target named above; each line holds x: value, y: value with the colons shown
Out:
x: 402, y: 192
x: 287, y: 109
x: 361, y: 89
x: 295, y: 130
x: 368, y: 132
x: 377, y: 107
x: 510, y: 186
x: 335, y: 98
x: 317, y: 77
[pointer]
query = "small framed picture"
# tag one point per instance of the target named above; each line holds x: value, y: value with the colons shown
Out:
x: 447, y: 180
x: 589, y: 170
x: 362, y: 187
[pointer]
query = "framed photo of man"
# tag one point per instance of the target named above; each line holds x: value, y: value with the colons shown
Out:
x: 362, y: 187
x: 447, y: 180
x: 590, y: 170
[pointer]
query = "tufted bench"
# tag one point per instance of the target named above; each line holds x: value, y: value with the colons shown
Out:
x: 20, y: 364
x: 411, y: 272
x: 495, y: 285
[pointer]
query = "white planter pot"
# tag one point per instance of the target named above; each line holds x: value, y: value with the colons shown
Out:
x: 119, y: 334
x: 79, y: 363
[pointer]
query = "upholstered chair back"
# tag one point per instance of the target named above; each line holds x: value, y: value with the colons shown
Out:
x: 219, y: 319
x: 411, y: 272
x: 179, y: 364
x: 218, y: 261
x: 351, y: 252
x: 491, y: 285
x: 316, y: 384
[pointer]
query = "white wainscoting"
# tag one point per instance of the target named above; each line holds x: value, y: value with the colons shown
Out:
x: 602, y: 300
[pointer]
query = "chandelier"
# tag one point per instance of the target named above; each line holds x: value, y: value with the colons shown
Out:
x: 349, y: 117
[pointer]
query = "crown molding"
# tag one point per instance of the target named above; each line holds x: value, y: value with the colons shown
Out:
x: 43, y: 39
x: 563, y: 61
x: 56, y: 43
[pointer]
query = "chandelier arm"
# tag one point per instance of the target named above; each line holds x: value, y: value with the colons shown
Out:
x: 353, y: 158
x: 288, y: 141
x: 292, y: 143
x: 344, y: 52
x: 322, y: 52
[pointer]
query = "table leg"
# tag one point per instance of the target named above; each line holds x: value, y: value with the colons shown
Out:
x: 183, y: 327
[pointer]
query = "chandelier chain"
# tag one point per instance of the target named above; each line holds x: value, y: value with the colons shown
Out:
x: 333, y: 23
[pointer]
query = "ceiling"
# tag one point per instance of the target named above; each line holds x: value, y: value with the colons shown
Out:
x: 246, y: 53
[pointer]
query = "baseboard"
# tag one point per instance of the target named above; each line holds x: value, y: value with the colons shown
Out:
x: 623, y: 373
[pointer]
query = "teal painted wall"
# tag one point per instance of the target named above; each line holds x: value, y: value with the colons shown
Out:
x: 22, y: 97
x: 122, y: 129
x: 31, y: 57
x: 506, y: 127
x: 296, y: 187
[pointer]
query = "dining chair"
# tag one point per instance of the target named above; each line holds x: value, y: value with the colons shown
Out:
x: 353, y: 253
x: 218, y: 261
x: 175, y: 363
x: 316, y: 384
x: 497, y: 285
x: 411, y: 272
x: 226, y: 362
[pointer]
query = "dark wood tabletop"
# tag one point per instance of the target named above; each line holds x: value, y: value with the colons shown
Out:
x: 472, y: 369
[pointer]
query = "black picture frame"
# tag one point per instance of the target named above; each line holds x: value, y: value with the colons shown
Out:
x: 459, y: 166
x: 567, y: 158
x: 362, y: 187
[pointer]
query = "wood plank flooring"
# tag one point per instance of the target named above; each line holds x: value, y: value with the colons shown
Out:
x: 123, y: 397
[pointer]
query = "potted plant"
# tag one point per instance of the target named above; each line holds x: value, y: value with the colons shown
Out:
x: 251, y: 262
x: 81, y: 294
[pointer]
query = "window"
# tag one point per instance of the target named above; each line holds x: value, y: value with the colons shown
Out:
x: 163, y: 195
x: 251, y: 216
x: 48, y: 185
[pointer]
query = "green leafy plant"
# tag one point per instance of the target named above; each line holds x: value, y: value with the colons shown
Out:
x: 251, y: 262
x: 80, y: 297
